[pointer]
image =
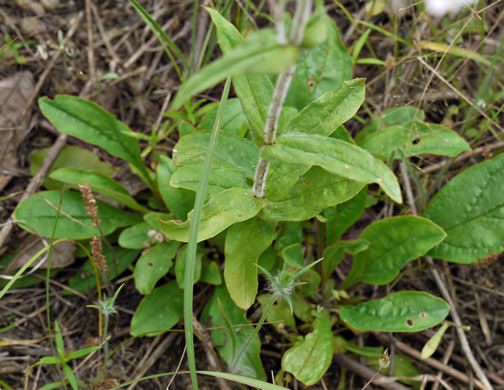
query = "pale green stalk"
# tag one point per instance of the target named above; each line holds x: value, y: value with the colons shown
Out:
x: 284, y: 79
x: 193, y: 237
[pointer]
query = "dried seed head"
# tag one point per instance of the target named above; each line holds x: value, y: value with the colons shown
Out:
x: 97, y: 251
x: 91, y: 207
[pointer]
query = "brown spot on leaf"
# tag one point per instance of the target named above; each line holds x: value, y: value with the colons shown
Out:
x: 409, y: 322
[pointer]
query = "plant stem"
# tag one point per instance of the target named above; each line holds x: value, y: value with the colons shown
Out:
x: 249, y: 339
x: 303, y: 11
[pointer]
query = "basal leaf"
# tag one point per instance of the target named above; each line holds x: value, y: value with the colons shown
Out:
x: 405, y: 311
x: 335, y: 156
x: 415, y: 139
x: 228, y: 344
x: 223, y: 210
x: 158, y: 312
x: 396, y: 116
x: 470, y: 209
x: 70, y: 157
x: 393, y: 242
x: 341, y: 217
x: 313, y: 193
x: 259, y: 53
x: 37, y: 214
x: 137, y: 236
x: 309, y: 359
x: 240, y: 272
x: 88, y: 121
x: 233, y: 118
x: 178, y: 200
x: 255, y: 92
x: 153, y: 265
x: 320, y: 69
x: 100, y: 184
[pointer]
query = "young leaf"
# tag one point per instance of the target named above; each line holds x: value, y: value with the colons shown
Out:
x: 393, y: 242
x: 405, y: 311
x: 240, y: 272
x: 223, y: 210
x: 309, y: 359
x: 335, y: 156
x: 153, y: 265
x: 414, y: 139
x: 431, y: 345
x: 470, y: 209
x: 159, y: 311
x: 88, y: 121
x: 100, y: 184
x: 320, y: 69
x: 325, y: 114
x: 313, y: 193
x: 258, y: 54
x: 37, y: 214
x: 179, y: 201
x: 250, y: 363
x: 255, y: 92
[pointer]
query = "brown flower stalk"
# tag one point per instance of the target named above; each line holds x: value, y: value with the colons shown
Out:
x: 97, y: 252
x: 91, y: 207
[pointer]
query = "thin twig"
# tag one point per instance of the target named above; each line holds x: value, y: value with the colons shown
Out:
x: 364, y: 371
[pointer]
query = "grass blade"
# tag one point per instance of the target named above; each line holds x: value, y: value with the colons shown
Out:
x: 193, y: 236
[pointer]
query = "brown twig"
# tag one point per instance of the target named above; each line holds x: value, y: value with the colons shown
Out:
x: 364, y: 371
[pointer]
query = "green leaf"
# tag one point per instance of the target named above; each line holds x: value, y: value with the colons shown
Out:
x: 309, y: 359
x: 178, y: 201
x: 334, y: 254
x: 393, y: 242
x: 153, y: 265
x: 37, y: 214
x: 415, y: 139
x: 325, y: 114
x: 158, y: 312
x: 210, y: 273
x: 82, y: 352
x: 117, y: 262
x: 180, y: 265
x: 341, y: 217
x: 405, y: 311
x: 433, y: 343
x: 69, y: 157
x: 335, y: 156
x: 136, y: 236
x: 212, y: 316
x: 470, y: 209
x: 397, y: 116
x: 313, y: 193
x: 240, y: 272
x: 233, y: 118
x: 86, y: 120
x: 231, y: 152
x: 255, y: 92
x: 320, y: 69
x: 223, y: 210
x: 259, y: 53
x: 293, y: 255
x: 99, y: 183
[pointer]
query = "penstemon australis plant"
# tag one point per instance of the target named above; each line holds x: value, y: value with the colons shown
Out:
x: 284, y: 165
